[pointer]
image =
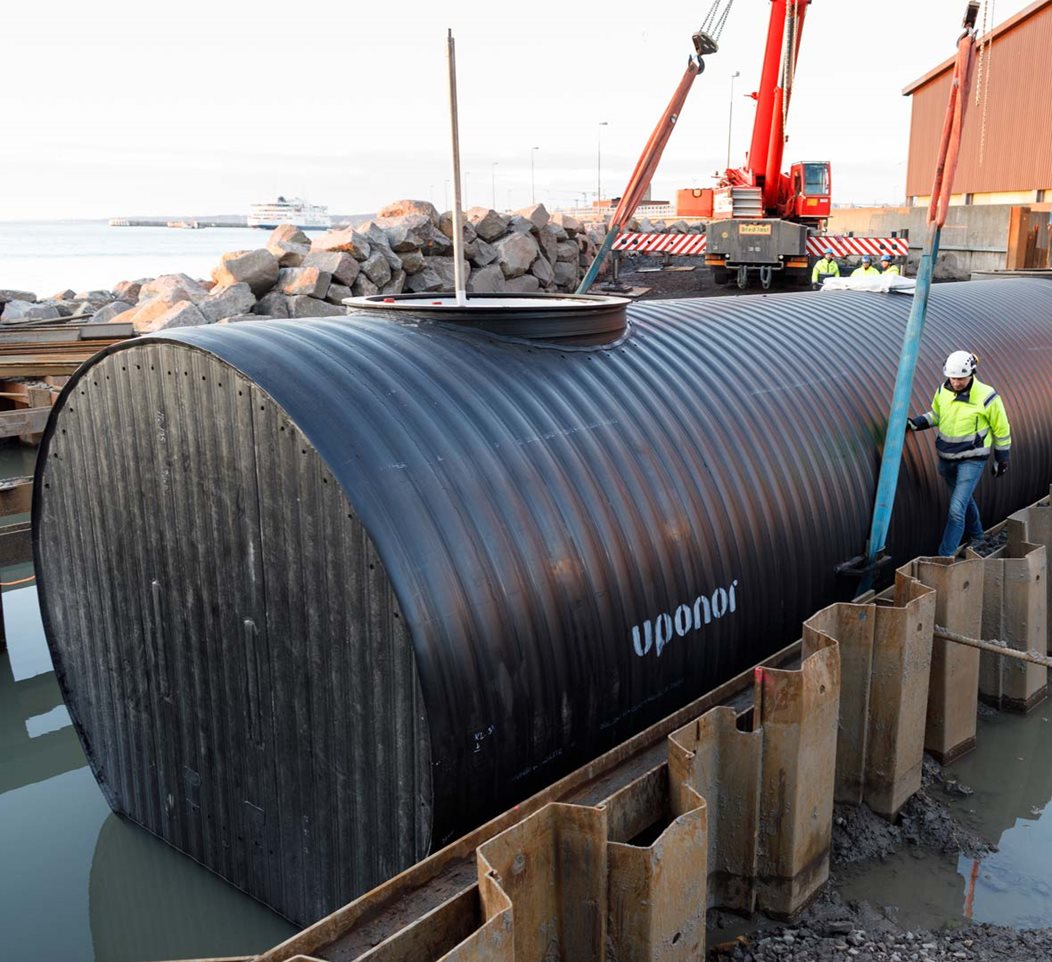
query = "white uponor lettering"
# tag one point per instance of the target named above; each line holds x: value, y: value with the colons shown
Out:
x: 657, y: 632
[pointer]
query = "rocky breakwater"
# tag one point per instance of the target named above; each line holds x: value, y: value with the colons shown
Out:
x: 407, y: 248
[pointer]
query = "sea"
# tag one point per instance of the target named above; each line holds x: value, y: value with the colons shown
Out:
x: 46, y: 257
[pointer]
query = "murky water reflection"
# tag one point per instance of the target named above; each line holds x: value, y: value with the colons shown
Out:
x: 77, y: 883
x: 1011, y: 774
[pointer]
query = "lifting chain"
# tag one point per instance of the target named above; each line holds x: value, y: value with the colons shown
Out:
x: 788, y: 60
x: 985, y: 60
x: 716, y: 19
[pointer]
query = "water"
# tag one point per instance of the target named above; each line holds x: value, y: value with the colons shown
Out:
x: 1011, y: 773
x: 77, y: 883
x: 46, y: 257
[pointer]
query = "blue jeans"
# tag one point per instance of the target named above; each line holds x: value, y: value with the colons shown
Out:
x: 961, y: 478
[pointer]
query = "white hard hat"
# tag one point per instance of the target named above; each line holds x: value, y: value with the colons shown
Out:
x: 960, y: 364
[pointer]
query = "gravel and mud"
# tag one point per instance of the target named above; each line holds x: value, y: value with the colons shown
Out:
x: 836, y: 928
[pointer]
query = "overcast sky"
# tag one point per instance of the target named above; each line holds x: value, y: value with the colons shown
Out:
x: 115, y: 108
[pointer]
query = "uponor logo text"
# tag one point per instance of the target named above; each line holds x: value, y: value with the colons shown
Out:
x: 657, y: 632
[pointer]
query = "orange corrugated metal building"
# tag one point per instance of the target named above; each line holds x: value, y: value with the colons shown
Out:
x: 1011, y: 163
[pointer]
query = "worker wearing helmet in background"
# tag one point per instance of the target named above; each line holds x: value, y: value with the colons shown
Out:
x: 866, y: 268
x: 886, y: 267
x: 826, y: 267
x: 972, y: 421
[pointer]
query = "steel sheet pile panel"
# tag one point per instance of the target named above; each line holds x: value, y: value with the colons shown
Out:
x: 885, y: 656
x: 1015, y: 612
x: 1037, y: 529
x: 574, y: 541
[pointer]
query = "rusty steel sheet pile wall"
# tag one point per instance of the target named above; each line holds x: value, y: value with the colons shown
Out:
x: 299, y: 576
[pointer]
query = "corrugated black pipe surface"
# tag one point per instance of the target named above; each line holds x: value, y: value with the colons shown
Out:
x: 582, y: 540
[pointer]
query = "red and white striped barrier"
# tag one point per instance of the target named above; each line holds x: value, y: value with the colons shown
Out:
x: 682, y: 245
x: 856, y: 246
x: 678, y: 244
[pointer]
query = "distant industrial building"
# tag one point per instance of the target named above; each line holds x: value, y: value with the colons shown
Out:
x: 1006, y: 150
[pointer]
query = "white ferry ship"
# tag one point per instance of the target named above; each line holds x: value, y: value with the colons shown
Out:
x: 295, y: 211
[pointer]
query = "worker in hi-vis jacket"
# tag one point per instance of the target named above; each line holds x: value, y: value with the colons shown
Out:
x: 825, y: 267
x: 971, y: 421
x: 886, y: 267
x: 866, y: 268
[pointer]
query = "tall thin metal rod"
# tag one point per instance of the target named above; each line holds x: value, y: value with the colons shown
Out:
x: 458, y: 214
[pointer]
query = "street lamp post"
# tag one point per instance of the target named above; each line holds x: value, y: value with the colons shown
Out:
x: 599, y: 160
x: 533, y: 182
x: 730, y: 118
x: 493, y: 184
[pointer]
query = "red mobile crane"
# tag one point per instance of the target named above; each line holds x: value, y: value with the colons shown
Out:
x: 761, y: 216
x: 760, y: 219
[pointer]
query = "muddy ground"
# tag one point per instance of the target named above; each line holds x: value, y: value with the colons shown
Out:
x: 837, y: 929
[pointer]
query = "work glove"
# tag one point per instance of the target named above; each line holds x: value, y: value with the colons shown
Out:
x: 999, y: 468
x: 919, y: 423
x: 815, y: 286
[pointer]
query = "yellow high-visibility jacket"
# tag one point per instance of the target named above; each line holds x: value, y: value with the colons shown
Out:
x: 892, y: 269
x: 865, y: 271
x: 970, y: 423
x: 825, y: 267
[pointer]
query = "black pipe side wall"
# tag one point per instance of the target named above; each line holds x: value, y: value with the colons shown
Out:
x: 578, y: 540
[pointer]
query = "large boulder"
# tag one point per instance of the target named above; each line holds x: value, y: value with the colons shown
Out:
x: 112, y: 312
x: 542, y: 270
x: 258, y: 269
x: 301, y: 305
x: 521, y: 224
x: 395, y: 285
x: 29, y: 311
x: 130, y: 290
x: 443, y: 267
x: 308, y: 281
x: 548, y: 243
x: 484, y: 253
x: 527, y: 284
x: 343, y: 240
x: 445, y: 225
x: 566, y: 251
x: 343, y: 268
x: 377, y: 237
x: 488, y: 224
x: 412, y: 262
x: 272, y: 305
x: 401, y: 208
x: 426, y: 279
x: 377, y: 269
x: 515, y: 254
x: 180, y: 314
x: 570, y: 224
x: 66, y: 295
x: 402, y: 238
x: 567, y: 275
x: 289, y: 245
x: 8, y: 295
x: 487, y: 280
x: 337, y: 292
x: 363, y: 287
x: 172, y: 287
x: 228, y: 301
x: 536, y: 214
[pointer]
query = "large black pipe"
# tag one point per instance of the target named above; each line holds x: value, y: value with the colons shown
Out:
x: 322, y: 595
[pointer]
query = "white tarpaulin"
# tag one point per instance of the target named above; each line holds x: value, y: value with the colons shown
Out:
x: 874, y: 283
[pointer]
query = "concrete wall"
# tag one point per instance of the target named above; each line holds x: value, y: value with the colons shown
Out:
x: 974, y: 238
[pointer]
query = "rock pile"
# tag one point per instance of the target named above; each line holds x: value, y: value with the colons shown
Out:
x: 408, y: 247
